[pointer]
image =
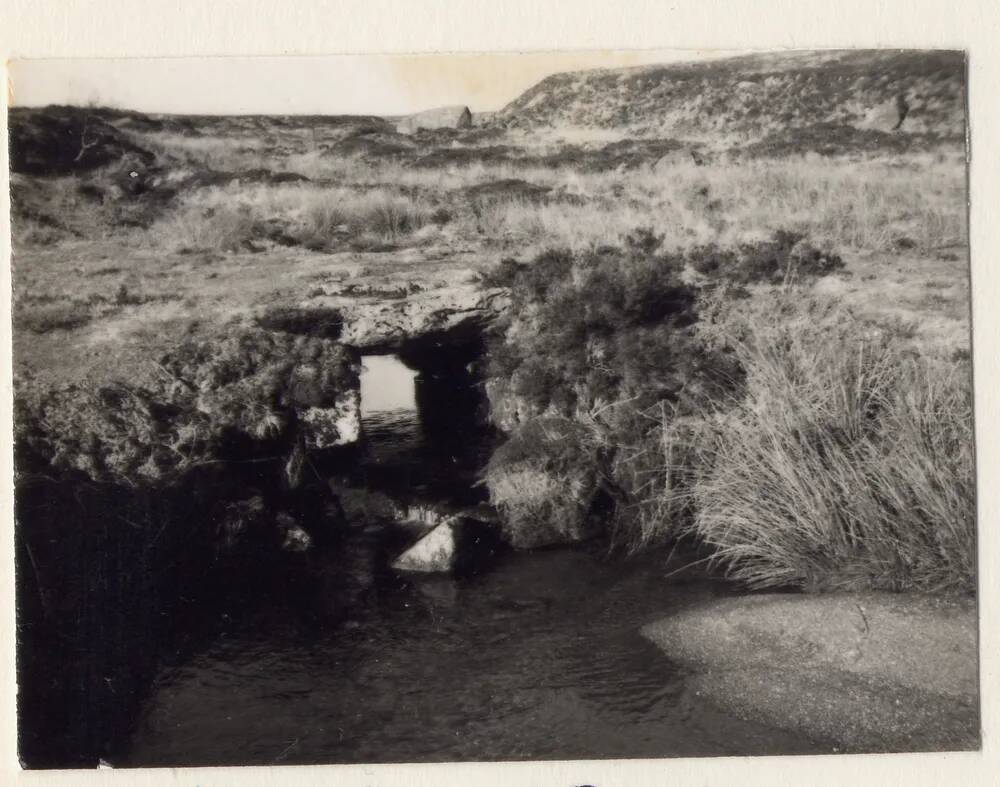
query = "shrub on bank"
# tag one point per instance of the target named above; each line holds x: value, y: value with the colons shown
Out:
x: 593, y: 328
x: 785, y: 258
x: 598, y: 341
x: 243, y: 384
x: 802, y: 446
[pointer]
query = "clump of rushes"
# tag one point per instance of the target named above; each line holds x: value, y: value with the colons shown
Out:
x: 848, y: 464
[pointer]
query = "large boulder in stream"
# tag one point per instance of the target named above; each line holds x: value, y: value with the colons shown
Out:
x: 295, y: 538
x: 544, y: 483
x: 456, y: 545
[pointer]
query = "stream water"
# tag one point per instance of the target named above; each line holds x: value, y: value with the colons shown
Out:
x: 540, y: 656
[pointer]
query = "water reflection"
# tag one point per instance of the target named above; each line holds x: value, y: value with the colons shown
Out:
x: 424, y: 434
x: 387, y: 385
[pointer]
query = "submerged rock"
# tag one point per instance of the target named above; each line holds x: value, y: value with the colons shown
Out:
x: 435, y: 552
x: 251, y: 525
x: 457, y: 545
x: 240, y: 517
x: 362, y: 506
x: 296, y: 539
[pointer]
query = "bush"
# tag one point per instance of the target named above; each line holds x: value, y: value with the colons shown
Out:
x: 503, y: 274
x: 849, y: 464
x: 598, y: 327
x: 603, y: 341
x: 54, y: 317
x: 243, y: 384
x: 58, y: 140
x: 118, y: 432
x: 785, y: 258
x: 321, y: 321
x: 217, y: 228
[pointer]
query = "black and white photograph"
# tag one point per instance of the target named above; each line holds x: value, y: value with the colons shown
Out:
x: 451, y: 408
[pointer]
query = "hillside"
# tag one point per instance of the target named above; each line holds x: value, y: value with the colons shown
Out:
x: 756, y: 94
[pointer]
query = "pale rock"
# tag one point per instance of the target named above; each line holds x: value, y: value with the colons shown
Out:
x: 441, y: 117
x: 456, y: 545
x: 436, y: 552
x: 336, y: 425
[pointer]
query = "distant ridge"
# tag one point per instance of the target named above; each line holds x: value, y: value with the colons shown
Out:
x: 757, y: 93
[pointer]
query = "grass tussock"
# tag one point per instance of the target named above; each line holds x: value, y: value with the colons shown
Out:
x: 223, y: 228
x: 379, y: 214
x: 848, y: 463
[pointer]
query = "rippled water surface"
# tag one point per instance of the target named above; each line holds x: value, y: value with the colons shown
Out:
x: 537, y: 656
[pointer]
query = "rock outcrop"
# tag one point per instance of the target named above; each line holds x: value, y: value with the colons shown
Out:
x: 541, y: 507
x: 456, y: 545
x: 441, y: 117
x: 888, y: 115
x: 378, y: 324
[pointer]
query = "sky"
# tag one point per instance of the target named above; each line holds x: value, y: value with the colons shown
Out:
x: 343, y: 84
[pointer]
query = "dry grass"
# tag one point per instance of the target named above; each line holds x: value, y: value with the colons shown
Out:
x: 217, y: 153
x: 915, y: 201
x: 871, y: 206
x: 849, y: 463
x: 910, y: 202
x: 222, y: 228
x: 233, y: 218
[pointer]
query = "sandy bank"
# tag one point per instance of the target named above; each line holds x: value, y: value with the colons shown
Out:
x: 864, y: 671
